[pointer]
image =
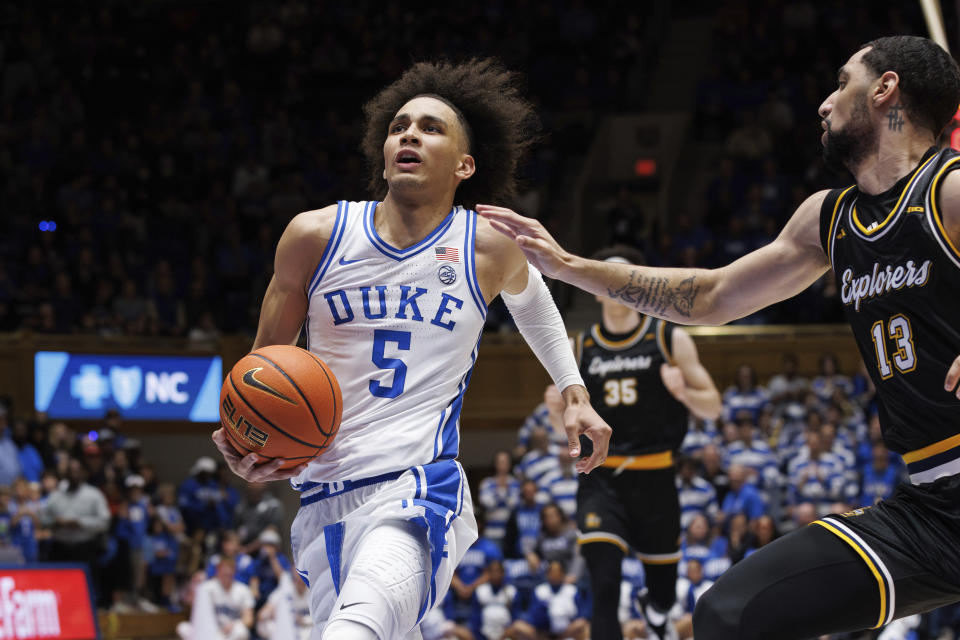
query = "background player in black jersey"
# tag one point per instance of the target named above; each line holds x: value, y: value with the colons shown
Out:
x: 643, y: 376
x: 893, y: 241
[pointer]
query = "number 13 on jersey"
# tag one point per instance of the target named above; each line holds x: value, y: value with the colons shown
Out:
x: 899, y: 333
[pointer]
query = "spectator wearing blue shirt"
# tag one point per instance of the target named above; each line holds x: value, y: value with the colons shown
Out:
x: 557, y: 608
x: 830, y: 380
x: 499, y: 494
x: 697, y: 496
x: 160, y: 553
x: 880, y: 477
x: 269, y: 564
x: 563, y: 489
x: 702, y: 432
x: 167, y: 510
x: 690, y: 586
x: 470, y: 574
x: 742, y: 497
x: 495, y: 604
x: 139, y: 511
x: 523, y: 527
x: 698, y: 544
x: 539, y: 464
x: 31, y: 462
x: 26, y: 517
x: 815, y: 475
x: 745, y: 395
x: 201, y: 499
x: 230, y: 548
x: 754, y: 453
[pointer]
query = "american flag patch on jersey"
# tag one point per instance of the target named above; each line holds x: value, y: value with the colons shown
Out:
x: 450, y: 254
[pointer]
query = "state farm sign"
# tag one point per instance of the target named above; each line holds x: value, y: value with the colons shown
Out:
x: 45, y: 602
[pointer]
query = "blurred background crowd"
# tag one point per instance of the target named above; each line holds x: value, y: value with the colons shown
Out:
x: 151, y: 153
x: 785, y: 451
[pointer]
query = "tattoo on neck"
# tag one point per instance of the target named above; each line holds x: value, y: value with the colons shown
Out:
x: 894, y: 119
x: 657, y: 295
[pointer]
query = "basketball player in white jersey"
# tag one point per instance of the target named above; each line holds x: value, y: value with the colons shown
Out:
x: 394, y: 295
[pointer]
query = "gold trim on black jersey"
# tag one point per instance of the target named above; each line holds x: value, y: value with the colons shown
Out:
x: 834, y: 224
x: 662, y: 342
x: 896, y: 208
x: 627, y: 342
x: 937, y: 220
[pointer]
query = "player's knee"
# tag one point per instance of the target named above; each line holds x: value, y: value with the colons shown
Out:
x: 386, y: 586
x: 716, y: 617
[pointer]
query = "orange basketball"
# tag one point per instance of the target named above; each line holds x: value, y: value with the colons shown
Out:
x: 281, y: 402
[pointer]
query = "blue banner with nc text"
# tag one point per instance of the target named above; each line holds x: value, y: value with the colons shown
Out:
x: 83, y: 385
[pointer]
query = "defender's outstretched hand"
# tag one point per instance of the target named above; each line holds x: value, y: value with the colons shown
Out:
x: 580, y: 418
x: 537, y: 244
x: 953, y: 377
x: 248, y: 467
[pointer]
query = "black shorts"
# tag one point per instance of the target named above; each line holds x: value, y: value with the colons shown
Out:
x: 911, y: 543
x: 636, y: 508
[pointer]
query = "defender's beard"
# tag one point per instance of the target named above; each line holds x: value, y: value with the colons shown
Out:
x: 846, y: 148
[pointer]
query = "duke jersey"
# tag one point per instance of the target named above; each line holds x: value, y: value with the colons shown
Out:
x: 400, y: 329
x: 622, y: 375
x: 898, y: 274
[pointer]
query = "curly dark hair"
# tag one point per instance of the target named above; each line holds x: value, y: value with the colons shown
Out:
x: 929, y: 77
x: 501, y: 125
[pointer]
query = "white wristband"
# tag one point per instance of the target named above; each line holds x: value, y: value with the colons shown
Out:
x: 540, y: 324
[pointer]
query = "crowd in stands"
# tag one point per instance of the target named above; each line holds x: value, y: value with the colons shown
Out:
x: 170, y: 144
x: 153, y: 152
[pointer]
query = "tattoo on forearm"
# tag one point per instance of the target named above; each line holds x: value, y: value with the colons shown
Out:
x: 657, y: 295
x: 895, y: 121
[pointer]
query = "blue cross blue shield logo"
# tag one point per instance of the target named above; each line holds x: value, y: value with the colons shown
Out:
x: 125, y: 383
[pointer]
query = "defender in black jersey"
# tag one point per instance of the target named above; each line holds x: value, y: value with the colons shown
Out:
x: 893, y: 241
x: 644, y: 377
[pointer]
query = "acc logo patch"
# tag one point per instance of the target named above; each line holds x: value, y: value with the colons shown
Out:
x: 592, y: 521
x: 447, y: 274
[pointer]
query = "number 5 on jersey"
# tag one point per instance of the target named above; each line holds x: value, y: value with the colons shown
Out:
x: 381, y: 337
x: 899, y: 331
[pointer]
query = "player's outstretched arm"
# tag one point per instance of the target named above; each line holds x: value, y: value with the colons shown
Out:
x: 770, y: 274
x: 281, y: 316
x: 538, y: 319
x: 687, y: 379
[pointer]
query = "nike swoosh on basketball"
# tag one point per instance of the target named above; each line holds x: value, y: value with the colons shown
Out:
x: 345, y: 262
x: 250, y: 379
x: 352, y: 604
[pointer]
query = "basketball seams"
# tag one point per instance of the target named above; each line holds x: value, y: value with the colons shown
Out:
x: 270, y: 424
x: 297, y: 387
x: 333, y: 390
